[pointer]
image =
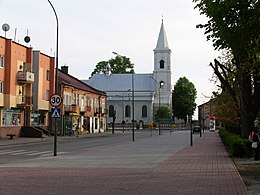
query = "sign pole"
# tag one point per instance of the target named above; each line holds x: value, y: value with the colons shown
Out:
x: 55, y: 101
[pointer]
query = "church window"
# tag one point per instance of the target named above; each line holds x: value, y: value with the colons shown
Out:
x: 127, y: 111
x: 144, y: 111
x: 111, y: 111
x: 161, y: 64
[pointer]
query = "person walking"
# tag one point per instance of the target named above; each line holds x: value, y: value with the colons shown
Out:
x: 255, y: 140
x: 73, y: 130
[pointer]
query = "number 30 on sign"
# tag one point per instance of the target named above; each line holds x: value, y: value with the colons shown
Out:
x: 55, y: 100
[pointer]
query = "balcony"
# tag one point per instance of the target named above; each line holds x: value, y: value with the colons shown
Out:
x: 25, y: 77
x: 71, y: 108
x: 85, y: 109
x: 22, y: 100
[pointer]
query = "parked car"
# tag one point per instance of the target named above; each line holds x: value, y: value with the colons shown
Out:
x: 196, y: 129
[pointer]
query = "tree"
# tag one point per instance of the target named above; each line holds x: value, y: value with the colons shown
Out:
x: 118, y: 65
x: 183, y: 98
x: 163, y: 113
x: 234, y: 26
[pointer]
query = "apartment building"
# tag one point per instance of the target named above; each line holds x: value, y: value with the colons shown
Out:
x: 43, y: 87
x: 16, y: 78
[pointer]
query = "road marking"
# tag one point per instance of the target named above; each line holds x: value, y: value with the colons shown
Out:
x: 28, y: 153
x: 10, y: 151
x: 38, y: 153
x: 19, y: 153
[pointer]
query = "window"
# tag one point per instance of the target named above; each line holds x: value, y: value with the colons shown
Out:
x: 12, y: 117
x: 1, y: 61
x: 47, y: 95
x: 69, y: 100
x: 1, y: 86
x: 88, y: 101
x: 162, y: 64
x: 127, y: 111
x: 144, y: 111
x: 111, y: 111
x: 77, y: 99
x: 82, y: 100
x: 48, y: 75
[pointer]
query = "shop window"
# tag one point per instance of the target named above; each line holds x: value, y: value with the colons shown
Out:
x: 12, y: 117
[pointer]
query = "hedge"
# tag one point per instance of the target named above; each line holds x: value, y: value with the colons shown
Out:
x: 235, y: 145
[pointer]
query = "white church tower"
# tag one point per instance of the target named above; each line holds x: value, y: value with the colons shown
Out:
x: 162, y: 71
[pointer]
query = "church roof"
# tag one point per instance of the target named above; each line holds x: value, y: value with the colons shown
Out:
x: 162, y: 42
x: 122, y: 82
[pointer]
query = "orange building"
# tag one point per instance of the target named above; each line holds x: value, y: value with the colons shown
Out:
x: 43, y: 87
x: 16, y: 78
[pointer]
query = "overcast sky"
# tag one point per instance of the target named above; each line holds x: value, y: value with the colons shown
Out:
x: 91, y: 30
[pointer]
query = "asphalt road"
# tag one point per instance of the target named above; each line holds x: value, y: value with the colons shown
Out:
x: 18, y: 153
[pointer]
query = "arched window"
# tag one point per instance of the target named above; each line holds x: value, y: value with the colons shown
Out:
x: 162, y: 64
x: 127, y: 111
x: 144, y: 111
x: 111, y: 111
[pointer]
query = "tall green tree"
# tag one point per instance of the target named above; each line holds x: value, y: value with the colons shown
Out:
x: 118, y: 65
x: 183, y: 98
x: 234, y: 25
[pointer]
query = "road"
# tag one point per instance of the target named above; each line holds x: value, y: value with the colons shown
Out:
x: 113, y: 164
x: 22, y: 152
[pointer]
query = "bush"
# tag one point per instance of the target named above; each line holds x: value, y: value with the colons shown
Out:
x: 236, y: 146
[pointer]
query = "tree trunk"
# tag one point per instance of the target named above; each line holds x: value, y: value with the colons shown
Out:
x: 247, y: 117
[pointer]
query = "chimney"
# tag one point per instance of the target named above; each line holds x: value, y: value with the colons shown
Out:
x: 65, y: 69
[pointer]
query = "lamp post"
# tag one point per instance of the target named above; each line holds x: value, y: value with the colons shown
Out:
x: 161, y: 84
x: 159, y: 124
x: 56, y: 76
x: 191, y: 138
x: 133, y: 101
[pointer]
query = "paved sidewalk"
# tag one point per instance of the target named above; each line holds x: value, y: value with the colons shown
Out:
x: 156, y: 168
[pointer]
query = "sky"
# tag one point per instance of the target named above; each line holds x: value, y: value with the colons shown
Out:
x: 89, y: 31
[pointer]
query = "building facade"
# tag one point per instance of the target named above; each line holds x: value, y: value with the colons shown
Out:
x: 43, y: 87
x: 138, y: 96
x: 27, y: 80
x: 205, y: 112
x: 16, y: 78
x: 83, y: 106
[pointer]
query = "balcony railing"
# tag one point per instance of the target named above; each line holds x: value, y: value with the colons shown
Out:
x: 71, y: 108
x: 25, y: 77
x: 24, y: 100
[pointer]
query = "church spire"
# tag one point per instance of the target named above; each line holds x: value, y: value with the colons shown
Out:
x: 162, y: 42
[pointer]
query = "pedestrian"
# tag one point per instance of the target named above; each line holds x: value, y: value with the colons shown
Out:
x: 73, y: 130
x: 255, y: 140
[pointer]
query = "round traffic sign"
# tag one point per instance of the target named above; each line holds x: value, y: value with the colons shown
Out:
x: 55, y: 100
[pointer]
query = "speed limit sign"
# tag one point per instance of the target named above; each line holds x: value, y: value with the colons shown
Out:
x: 55, y: 100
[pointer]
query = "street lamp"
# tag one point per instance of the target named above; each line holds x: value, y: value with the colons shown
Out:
x: 161, y: 84
x: 133, y: 101
x: 56, y: 78
x: 191, y: 138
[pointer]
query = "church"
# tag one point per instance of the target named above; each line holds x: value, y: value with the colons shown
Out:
x: 138, y: 96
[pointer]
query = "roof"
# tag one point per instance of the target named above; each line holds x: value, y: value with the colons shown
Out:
x: 162, y: 42
x: 69, y: 80
x: 122, y: 82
